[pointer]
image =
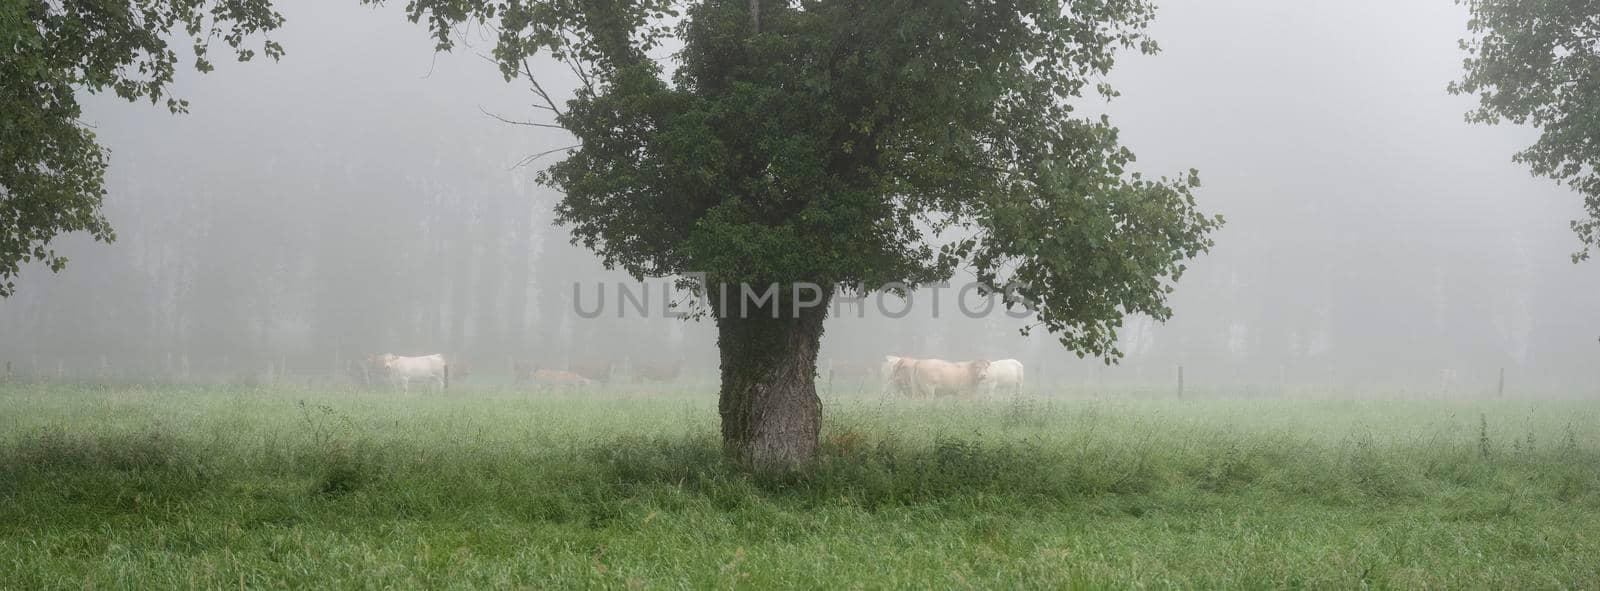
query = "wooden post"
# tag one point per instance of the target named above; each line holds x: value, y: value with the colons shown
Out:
x: 1500, y: 390
x: 1180, y: 381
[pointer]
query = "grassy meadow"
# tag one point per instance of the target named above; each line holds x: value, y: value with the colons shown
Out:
x: 140, y: 486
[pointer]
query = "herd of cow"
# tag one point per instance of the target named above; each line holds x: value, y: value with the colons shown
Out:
x: 904, y: 376
x: 908, y: 376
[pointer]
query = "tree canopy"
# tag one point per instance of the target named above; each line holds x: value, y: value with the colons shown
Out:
x: 52, y: 171
x: 857, y: 144
x: 1537, y: 62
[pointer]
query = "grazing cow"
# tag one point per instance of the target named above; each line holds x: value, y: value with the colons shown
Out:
x: 658, y: 372
x: 596, y: 370
x: 1005, y: 373
x: 895, y: 375
x: 401, y: 370
x: 932, y: 377
x: 559, y: 379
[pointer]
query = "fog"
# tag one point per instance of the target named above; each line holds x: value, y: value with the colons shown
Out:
x: 355, y: 198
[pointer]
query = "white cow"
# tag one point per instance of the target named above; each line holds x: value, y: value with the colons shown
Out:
x: 937, y: 377
x: 886, y: 373
x: 402, y: 370
x: 1005, y: 373
x: 895, y: 374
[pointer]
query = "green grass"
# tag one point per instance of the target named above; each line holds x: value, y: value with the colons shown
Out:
x: 125, y: 486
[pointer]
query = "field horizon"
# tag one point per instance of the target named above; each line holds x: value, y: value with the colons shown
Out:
x: 160, y: 486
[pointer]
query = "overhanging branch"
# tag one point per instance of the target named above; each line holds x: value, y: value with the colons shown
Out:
x: 515, y: 122
x: 530, y: 159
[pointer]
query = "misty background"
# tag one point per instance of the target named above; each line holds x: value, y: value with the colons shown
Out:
x: 354, y: 198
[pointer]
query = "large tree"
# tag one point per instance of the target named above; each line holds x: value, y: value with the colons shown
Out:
x: 1537, y: 62
x: 850, y: 145
x: 52, y: 171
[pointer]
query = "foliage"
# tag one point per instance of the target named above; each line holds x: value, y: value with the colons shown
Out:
x: 169, y: 486
x: 857, y: 145
x: 52, y: 171
x: 1537, y: 62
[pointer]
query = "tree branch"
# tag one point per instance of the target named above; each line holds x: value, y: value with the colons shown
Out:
x: 527, y: 70
x: 515, y: 122
x: 576, y: 64
x: 530, y: 159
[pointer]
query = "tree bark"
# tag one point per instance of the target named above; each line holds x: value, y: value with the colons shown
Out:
x: 771, y: 415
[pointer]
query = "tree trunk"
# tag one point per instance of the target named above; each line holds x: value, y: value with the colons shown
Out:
x: 771, y: 415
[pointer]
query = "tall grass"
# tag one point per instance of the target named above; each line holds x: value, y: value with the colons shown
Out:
x: 142, y: 487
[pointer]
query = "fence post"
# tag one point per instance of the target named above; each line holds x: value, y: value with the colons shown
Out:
x: 1500, y: 390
